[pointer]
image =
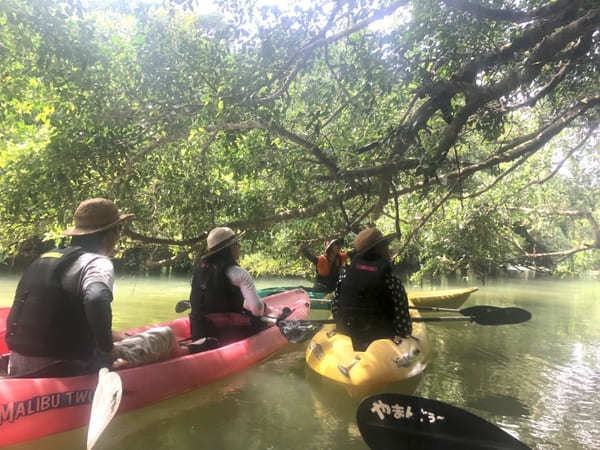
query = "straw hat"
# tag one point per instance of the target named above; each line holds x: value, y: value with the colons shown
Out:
x: 95, y: 214
x: 220, y: 238
x: 369, y: 238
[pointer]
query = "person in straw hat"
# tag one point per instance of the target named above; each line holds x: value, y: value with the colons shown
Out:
x: 329, y: 265
x: 370, y: 302
x: 220, y: 285
x: 60, y: 320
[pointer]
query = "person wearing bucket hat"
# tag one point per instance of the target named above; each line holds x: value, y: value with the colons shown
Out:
x: 370, y: 302
x: 60, y: 320
x: 329, y: 265
x: 220, y: 285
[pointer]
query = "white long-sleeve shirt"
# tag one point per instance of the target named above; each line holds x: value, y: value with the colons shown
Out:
x: 242, y: 279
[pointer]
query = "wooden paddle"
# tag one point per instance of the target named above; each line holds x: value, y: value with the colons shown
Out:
x: 396, y: 421
x: 297, y: 331
x: 107, y: 399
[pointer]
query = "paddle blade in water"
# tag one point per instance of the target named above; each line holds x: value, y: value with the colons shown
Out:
x: 297, y: 331
x: 182, y: 306
x: 107, y: 399
x: 503, y: 316
x: 285, y: 313
x: 395, y: 421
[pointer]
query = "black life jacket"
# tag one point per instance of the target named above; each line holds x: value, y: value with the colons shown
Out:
x: 361, y: 296
x: 212, y: 291
x: 45, y: 319
x: 330, y: 280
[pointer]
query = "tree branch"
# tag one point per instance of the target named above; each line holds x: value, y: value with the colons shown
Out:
x: 566, y: 158
x: 306, y: 51
x: 423, y: 221
x: 563, y: 254
x: 509, y: 15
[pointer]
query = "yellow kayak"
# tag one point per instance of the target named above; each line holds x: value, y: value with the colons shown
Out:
x: 444, y: 298
x: 332, y: 356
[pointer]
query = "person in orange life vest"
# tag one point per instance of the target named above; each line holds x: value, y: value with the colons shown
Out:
x: 327, y: 266
x: 220, y: 285
x: 60, y: 323
x: 370, y: 302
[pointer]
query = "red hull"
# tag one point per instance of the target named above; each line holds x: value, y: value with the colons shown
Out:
x: 38, y: 407
x: 3, y: 315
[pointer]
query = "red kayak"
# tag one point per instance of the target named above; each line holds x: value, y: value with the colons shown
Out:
x: 3, y: 315
x: 31, y: 408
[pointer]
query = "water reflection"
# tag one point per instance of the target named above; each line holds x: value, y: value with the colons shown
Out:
x: 538, y: 380
x: 504, y: 405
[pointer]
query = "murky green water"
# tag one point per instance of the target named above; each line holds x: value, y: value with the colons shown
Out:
x: 538, y: 380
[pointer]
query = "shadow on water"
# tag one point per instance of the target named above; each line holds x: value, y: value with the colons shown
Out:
x: 503, y: 405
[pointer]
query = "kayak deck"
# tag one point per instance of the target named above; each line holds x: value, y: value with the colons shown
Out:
x: 331, y: 355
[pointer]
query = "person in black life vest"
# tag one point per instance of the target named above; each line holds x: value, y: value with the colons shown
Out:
x: 60, y: 323
x: 220, y: 285
x: 327, y: 266
x: 370, y: 302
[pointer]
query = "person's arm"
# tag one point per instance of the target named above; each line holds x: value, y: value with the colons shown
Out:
x: 242, y: 279
x: 308, y: 254
x: 96, y: 289
x: 402, y: 322
x: 96, y: 303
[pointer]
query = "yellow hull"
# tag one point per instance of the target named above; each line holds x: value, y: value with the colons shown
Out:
x: 446, y: 298
x: 331, y: 355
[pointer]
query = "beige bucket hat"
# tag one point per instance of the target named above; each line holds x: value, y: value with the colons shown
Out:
x: 95, y: 214
x: 220, y: 238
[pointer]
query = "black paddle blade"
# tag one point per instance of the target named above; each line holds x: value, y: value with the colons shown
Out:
x: 284, y: 314
x: 297, y: 331
x: 503, y: 316
x: 182, y: 306
x: 396, y: 421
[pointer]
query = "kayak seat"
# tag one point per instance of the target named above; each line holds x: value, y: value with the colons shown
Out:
x: 203, y: 344
x: 228, y: 328
x: 4, y: 365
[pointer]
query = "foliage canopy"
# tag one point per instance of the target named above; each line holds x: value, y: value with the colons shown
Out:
x: 469, y: 127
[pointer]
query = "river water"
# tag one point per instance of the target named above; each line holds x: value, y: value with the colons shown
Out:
x: 539, y: 380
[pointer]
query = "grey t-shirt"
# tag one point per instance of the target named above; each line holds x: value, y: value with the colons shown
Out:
x: 87, y: 269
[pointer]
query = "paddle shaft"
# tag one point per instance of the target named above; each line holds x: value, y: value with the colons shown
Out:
x: 297, y: 331
x: 434, y: 308
x: 184, y: 305
x: 414, y: 319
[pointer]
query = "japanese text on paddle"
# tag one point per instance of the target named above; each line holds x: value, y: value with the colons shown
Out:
x: 403, y: 412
